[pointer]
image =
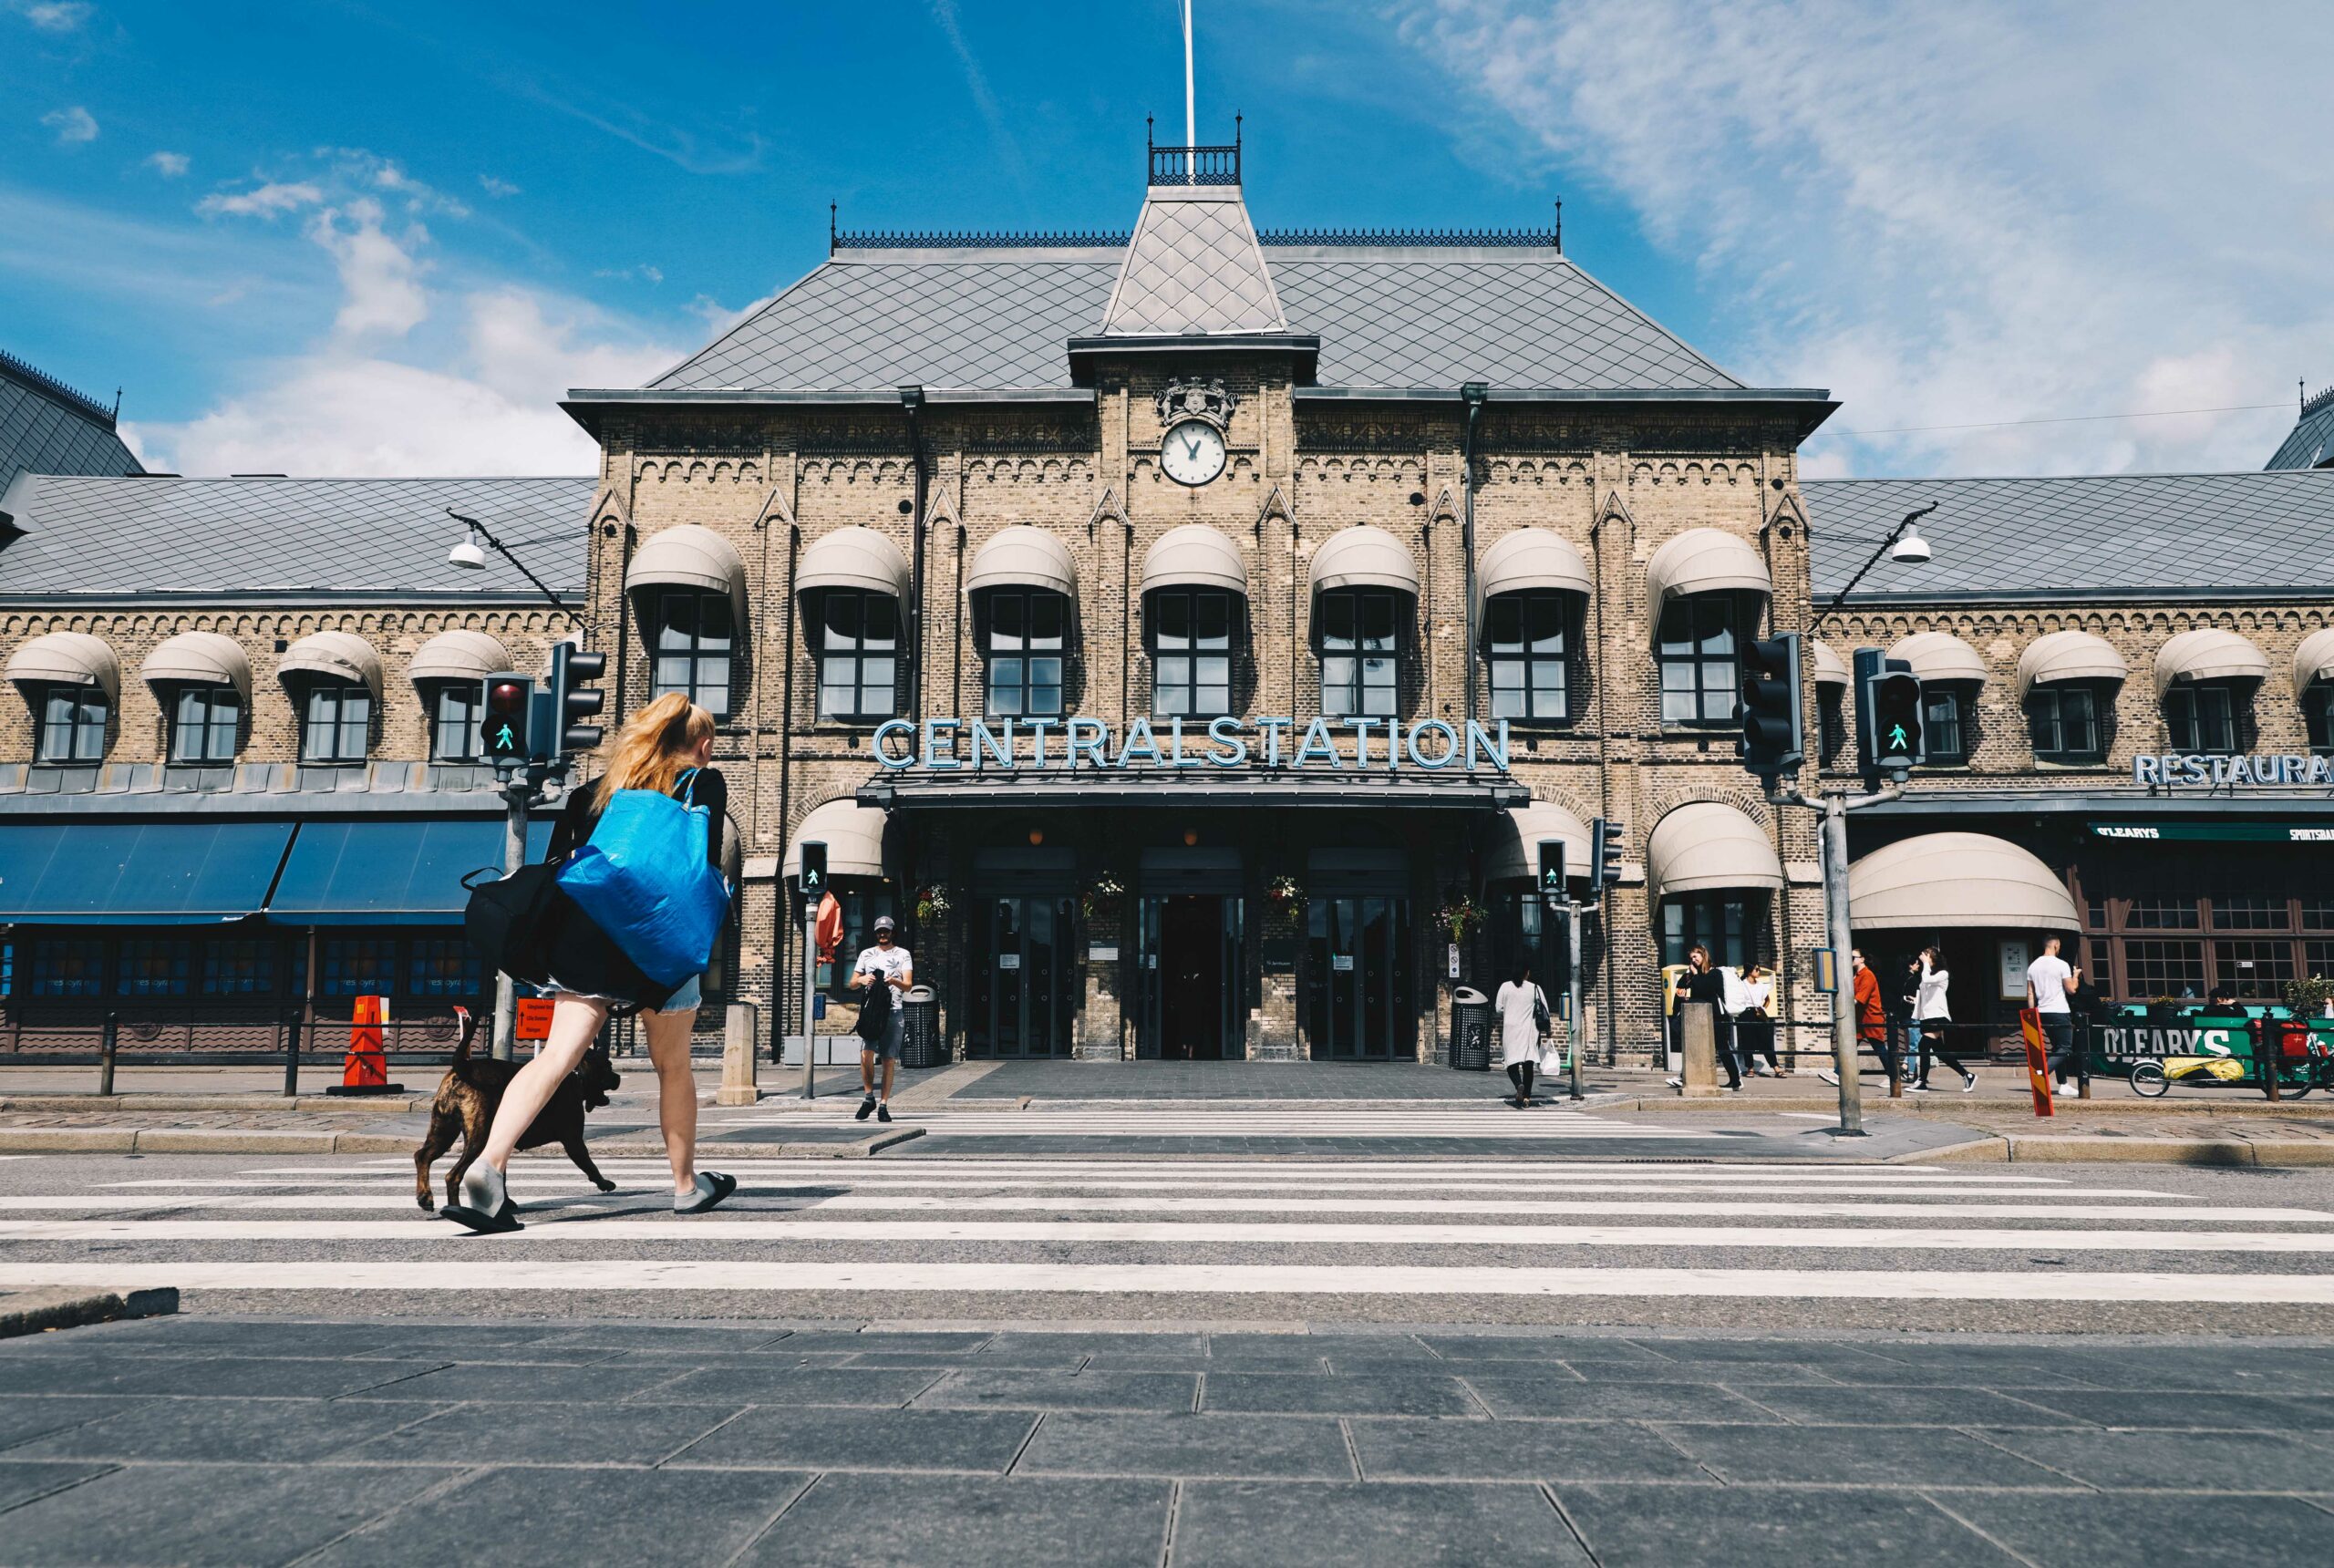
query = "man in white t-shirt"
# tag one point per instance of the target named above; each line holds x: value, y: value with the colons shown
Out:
x: 2049, y: 983
x: 885, y: 972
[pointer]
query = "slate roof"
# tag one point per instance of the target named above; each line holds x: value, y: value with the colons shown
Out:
x: 48, y: 427
x: 1193, y: 267
x: 2310, y: 444
x: 87, y: 536
x: 2110, y: 534
x: 1387, y: 317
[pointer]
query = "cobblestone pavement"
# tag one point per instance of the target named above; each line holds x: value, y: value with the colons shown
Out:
x: 568, y: 1441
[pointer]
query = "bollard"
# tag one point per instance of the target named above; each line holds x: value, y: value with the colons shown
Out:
x: 292, y: 1059
x: 739, y: 1066
x: 108, y: 1042
x: 1698, y: 1037
x: 2267, y: 1045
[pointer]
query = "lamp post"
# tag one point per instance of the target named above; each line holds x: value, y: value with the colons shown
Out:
x: 1902, y: 544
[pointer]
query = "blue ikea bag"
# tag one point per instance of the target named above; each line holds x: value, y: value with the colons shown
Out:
x: 644, y: 879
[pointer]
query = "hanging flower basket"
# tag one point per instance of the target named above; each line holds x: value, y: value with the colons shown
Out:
x: 1101, y: 900
x: 1459, y: 917
x: 931, y: 902
x: 1284, y: 893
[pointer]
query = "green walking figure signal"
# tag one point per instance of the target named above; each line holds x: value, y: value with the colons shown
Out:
x: 1889, y: 698
x: 510, y: 701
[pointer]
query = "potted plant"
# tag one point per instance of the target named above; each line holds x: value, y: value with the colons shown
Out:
x: 931, y: 902
x: 1285, y: 891
x: 1460, y: 915
x: 1101, y: 900
x: 2310, y: 997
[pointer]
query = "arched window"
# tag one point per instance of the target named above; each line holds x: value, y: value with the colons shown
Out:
x: 691, y: 635
x: 1698, y: 651
x: 70, y: 722
x: 2212, y: 718
x: 1192, y: 632
x: 1359, y: 634
x: 858, y: 649
x: 206, y: 724
x: 1026, y: 641
x: 335, y: 722
x: 457, y: 720
x: 1529, y: 639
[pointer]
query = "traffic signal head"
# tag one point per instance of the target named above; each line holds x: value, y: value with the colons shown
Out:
x: 1604, y: 855
x: 1769, y: 712
x: 572, y: 700
x: 1552, y: 871
x: 509, y: 697
x: 814, y: 872
x: 1888, y: 714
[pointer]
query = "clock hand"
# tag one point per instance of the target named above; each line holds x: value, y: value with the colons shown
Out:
x: 1191, y: 446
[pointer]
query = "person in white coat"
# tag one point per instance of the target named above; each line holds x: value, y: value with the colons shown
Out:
x: 1931, y: 1019
x: 1519, y: 1005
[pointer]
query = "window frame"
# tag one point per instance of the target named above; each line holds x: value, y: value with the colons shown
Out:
x: 474, y: 728
x: 659, y: 626
x: 313, y: 693
x: 2317, y: 716
x: 1357, y: 692
x: 1736, y: 937
x: 211, y: 699
x: 2054, y: 694
x: 84, y: 736
x: 1031, y: 651
x: 1529, y: 661
x: 1728, y: 608
x: 1195, y: 649
x: 1960, y: 701
x: 2190, y: 696
x: 856, y: 655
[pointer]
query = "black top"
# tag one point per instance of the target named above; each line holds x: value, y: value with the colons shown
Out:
x: 581, y: 814
x: 1708, y: 985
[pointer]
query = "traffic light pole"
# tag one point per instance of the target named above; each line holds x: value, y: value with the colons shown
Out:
x: 1573, y: 1027
x: 1838, y: 936
x: 811, y: 999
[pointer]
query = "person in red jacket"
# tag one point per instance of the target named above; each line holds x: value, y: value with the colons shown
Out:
x: 1872, y: 1017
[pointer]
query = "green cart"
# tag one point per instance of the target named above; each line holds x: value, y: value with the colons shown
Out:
x: 2154, y: 1047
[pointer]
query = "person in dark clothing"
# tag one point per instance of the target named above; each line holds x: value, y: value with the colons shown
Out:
x: 664, y: 748
x: 1703, y: 983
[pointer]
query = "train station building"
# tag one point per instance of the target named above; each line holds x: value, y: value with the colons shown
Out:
x: 1189, y: 634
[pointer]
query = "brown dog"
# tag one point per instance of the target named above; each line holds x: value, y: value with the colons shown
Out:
x: 473, y: 1086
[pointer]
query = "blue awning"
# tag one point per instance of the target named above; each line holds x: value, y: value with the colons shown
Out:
x: 389, y: 873
x: 138, y: 873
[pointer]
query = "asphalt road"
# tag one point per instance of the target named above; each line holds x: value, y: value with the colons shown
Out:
x: 1496, y: 1239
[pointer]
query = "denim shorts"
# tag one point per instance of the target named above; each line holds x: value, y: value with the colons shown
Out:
x: 894, y: 1040
x: 690, y: 995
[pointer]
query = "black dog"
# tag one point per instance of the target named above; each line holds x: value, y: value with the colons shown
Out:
x: 471, y: 1089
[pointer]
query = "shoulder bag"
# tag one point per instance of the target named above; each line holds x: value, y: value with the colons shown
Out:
x: 644, y: 880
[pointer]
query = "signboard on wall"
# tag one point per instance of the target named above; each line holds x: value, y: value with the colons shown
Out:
x: 2017, y: 952
x: 2213, y: 832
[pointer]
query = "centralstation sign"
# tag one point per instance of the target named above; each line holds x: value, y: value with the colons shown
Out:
x: 942, y: 744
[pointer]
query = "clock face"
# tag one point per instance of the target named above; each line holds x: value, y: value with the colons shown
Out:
x: 1192, y: 452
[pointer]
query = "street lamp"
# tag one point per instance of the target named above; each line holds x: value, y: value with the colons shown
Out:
x: 1904, y: 544
x: 470, y: 558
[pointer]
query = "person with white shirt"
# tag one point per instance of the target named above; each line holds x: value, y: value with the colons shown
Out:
x: 1931, y: 1019
x: 2049, y: 982
x: 885, y: 971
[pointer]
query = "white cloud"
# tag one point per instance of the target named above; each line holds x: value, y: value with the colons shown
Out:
x: 496, y: 188
x: 73, y: 126
x: 492, y: 408
x: 169, y: 165
x: 644, y: 273
x: 54, y: 15
x: 380, y: 278
x: 265, y: 202
x: 370, y: 171
x: 1988, y: 211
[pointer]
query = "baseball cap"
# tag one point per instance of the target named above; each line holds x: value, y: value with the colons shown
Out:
x: 885, y: 922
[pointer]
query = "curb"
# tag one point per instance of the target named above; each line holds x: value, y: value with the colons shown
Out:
x: 339, y: 1104
x: 43, y: 1310
x: 204, y: 1141
x: 2272, y: 1152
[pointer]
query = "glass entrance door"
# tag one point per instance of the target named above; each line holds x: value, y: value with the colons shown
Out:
x: 1357, y: 980
x: 1193, y: 978
x: 1022, y: 977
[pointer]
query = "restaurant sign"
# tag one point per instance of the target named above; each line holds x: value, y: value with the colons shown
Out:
x: 2164, y: 1041
x: 2172, y: 768
x: 940, y: 745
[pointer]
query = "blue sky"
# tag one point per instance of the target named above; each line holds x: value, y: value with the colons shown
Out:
x: 336, y: 237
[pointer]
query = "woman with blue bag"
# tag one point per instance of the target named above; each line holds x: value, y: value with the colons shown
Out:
x: 638, y: 902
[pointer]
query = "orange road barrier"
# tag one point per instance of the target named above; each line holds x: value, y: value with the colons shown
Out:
x: 2038, y: 1060
x: 365, y: 1069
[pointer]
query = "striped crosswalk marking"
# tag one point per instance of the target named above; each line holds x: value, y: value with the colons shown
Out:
x: 1169, y: 1226
x: 1488, y: 1120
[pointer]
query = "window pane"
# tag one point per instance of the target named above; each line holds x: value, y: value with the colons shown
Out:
x: 1171, y: 619
x: 1211, y: 620
x: 1505, y: 628
x: 841, y: 611
x: 1334, y: 618
x: 238, y: 968
x: 882, y: 622
x: 2256, y: 971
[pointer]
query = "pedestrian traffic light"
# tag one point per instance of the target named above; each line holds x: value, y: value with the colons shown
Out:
x: 814, y: 874
x: 1769, y: 744
x: 1604, y: 855
x: 1888, y: 714
x: 1551, y: 871
x: 509, y: 697
x: 572, y: 700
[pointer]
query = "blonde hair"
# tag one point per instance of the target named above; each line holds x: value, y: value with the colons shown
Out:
x: 654, y: 745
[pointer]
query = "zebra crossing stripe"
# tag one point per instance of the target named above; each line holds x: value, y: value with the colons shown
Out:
x: 959, y: 1279
x: 575, y: 1224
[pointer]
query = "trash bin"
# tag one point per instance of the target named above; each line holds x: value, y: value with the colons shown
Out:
x: 921, y: 1044
x: 1470, y: 1030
